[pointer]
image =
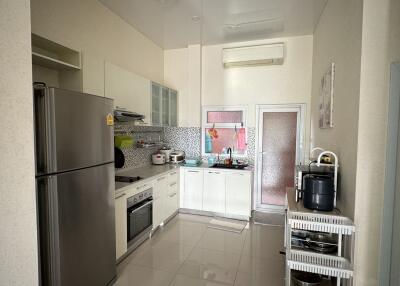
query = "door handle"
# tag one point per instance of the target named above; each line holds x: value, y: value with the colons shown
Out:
x: 145, y: 205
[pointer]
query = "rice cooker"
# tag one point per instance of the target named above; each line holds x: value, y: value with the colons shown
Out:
x: 167, y: 152
x: 158, y: 159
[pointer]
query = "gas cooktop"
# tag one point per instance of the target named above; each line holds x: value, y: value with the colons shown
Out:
x: 127, y: 179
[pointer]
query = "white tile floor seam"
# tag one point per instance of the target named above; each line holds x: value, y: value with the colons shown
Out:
x: 186, y: 252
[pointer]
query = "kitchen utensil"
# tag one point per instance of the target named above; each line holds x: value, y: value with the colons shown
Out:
x: 319, y: 192
x: 322, y: 242
x: 192, y: 161
x: 119, y: 158
x: 300, y: 278
x: 158, y: 159
x: 167, y: 152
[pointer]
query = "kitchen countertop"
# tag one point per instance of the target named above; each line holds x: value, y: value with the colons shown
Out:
x: 145, y: 172
x: 151, y: 171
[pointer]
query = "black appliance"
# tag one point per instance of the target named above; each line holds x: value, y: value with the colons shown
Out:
x: 319, y: 192
x: 127, y: 179
x: 140, y: 217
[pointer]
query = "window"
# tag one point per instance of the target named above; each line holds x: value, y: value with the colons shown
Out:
x: 224, y: 127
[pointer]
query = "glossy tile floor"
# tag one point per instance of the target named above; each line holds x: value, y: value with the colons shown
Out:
x: 185, y: 252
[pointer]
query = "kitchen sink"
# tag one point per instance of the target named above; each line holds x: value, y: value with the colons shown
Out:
x: 232, y: 166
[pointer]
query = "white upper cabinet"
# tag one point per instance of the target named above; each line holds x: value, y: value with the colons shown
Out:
x: 214, y: 191
x: 238, y: 193
x: 128, y: 90
x: 164, y: 105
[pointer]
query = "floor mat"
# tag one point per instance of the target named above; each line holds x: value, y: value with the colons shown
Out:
x: 227, y: 225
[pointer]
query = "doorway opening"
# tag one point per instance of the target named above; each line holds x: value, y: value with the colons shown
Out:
x: 279, y: 149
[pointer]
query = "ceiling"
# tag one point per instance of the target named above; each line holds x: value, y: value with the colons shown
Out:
x: 178, y: 23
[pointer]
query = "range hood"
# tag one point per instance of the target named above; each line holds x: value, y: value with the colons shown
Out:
x: 123, y: 115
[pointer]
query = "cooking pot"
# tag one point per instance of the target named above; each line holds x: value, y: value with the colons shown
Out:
x: 158, y: 159
x: 177, y: 156
x: 319, y: 192
x: 300, y: 278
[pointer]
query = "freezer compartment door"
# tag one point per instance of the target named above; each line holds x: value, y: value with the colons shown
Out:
x: 77, y: 227
x: 71, y: 130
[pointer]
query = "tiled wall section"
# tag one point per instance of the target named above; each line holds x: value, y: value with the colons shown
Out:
x: 139, y: 157
x: 187, y: 139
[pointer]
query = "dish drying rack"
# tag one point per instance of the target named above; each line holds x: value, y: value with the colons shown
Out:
x: 300, y: 218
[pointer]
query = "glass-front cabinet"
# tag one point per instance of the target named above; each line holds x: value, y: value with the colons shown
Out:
x: 164, y: 105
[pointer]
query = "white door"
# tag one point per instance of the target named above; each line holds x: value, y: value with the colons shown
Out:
x: 193, y: 189
x: 238, y: 193
x: 279, y: 150
x: 120, y: 225
x: 172, y: 199
x: 214, y: 191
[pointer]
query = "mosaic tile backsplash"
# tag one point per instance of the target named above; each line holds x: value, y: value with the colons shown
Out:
x: 187, y: 139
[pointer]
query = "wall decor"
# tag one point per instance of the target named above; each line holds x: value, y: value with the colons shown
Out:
x: 326, y: 99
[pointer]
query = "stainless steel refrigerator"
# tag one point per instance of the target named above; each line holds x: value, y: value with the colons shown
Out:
x: 75, y: 187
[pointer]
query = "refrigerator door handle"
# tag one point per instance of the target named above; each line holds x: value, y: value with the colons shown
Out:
x: 45, y: 138
x: 49, y: 230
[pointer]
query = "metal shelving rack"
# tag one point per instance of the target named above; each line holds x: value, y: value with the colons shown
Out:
x: 300, y: 218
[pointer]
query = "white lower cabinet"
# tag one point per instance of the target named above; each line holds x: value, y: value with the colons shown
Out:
x: 160, y: 188
x: 220, y: 191
x: 238, y: 193
x: 120, y: 225
x: 193, y: 189
x: 214, y: 191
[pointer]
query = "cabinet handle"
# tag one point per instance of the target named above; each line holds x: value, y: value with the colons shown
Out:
x: 173, y: 195
x: 120, y: 196
x: 160, y: 179
x: 173, y: 184
x: 192, y: 171
x: 141, y: 187
x: 174, y: 173
x: 214, y: 172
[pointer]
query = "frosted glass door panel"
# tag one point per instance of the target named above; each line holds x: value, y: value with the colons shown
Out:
x: 278, y: 156
x: 165, y: 107
x: 173, y: 108
x: 155, y: 104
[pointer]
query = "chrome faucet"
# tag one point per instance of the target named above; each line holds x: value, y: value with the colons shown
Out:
x: 229, y: 151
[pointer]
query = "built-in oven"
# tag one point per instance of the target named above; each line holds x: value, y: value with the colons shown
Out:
x: 140, y: 217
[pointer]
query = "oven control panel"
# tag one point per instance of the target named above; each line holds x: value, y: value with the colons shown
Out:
x: 140, y: 197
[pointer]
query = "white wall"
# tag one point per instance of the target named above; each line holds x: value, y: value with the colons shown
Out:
x: 18, y: 241
x: 339, y: 41
x: 288, y: 83
x: 101, y: 35
x: 380, y: 47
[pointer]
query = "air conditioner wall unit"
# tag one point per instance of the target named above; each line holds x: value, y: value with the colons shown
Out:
x: 271, y: 54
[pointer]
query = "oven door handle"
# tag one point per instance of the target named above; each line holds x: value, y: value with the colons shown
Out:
x: 146, y: 204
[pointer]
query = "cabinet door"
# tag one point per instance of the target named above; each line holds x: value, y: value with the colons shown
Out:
x: 193, y: 189
x: 129, y: 90
x: 172, y: 199
x: 155, y: 104
x: 160, y: 188
x: 173, y: 107
x: 238, y: 193
x: 214, y: 192
x: 120, y: 225
x: 165, y: 106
